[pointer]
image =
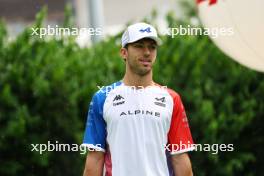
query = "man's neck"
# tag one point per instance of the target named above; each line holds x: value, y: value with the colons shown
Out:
x: 131, y: 79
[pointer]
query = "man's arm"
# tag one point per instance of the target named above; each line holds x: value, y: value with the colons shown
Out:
x: 94, y: 164
x: 181, y: 165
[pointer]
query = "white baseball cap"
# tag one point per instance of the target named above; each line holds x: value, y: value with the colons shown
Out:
x: 139, y: 31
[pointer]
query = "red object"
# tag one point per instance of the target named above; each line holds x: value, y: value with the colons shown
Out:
x: 211, y: 2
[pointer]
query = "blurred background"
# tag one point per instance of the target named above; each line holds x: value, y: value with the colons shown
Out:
x: 46, y: 84
x: 113, y: 15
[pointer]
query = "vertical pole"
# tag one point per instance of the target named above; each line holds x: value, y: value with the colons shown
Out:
x: 96, y: 17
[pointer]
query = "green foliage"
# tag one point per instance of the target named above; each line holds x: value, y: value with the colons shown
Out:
x: 46, y: 86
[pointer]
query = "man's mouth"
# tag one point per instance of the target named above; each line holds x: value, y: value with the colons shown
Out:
x: 145, y: 62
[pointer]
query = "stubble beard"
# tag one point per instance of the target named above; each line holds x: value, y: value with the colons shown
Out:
x: 138, y: 69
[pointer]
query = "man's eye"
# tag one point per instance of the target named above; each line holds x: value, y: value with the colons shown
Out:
x: 138, y: 45
x: 153, y: 46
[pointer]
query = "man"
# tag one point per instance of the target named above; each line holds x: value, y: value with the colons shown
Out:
x: 136, y: 127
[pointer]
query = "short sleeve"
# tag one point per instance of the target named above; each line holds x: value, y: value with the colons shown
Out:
x: 179, y: 136
x: 95, y: 131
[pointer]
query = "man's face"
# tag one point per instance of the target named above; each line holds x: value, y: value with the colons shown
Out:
x: 140, y: 56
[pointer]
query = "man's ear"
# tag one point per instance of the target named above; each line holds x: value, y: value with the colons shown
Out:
x: 123, y: 53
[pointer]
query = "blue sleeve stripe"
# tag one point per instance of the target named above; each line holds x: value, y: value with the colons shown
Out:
x: 95, y: 131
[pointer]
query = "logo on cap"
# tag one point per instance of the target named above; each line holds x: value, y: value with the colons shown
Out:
x: 145, y: 30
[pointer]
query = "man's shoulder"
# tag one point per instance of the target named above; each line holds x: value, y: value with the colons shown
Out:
x: 172, y: 92
x: 100, y: 95
x: 104, y: 90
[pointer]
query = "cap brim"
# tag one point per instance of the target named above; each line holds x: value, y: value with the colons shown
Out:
x: 156, y: 39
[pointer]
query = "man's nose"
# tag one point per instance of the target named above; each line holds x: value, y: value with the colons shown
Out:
x: 146, y: 51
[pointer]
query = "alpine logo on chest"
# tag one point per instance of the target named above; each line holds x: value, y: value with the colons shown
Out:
x: 160, y: 101
x: 139, y: 112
